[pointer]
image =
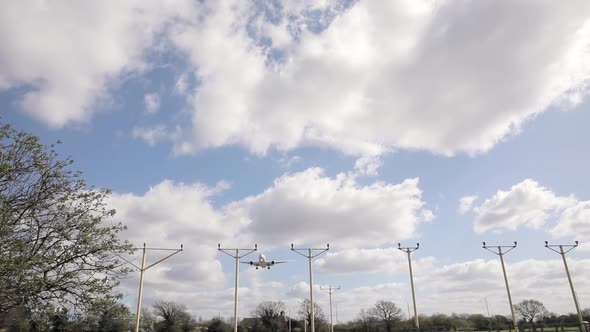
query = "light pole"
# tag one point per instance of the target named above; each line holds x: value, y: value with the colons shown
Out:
x: 330, y: 289
x: 237, y: 256
x: 144, y: 268
x: 561, y: 251
x: 501, y: 254
x: 310, y: 255
x: 409, y: 251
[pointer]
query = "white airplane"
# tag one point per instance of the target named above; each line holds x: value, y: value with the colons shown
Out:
x: 263, y: 263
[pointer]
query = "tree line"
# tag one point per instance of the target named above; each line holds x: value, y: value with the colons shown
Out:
x: 386, y: 316
x: 108, y: 316
x: 271, y: 316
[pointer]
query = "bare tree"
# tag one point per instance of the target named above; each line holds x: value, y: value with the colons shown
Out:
x: 305, y: 313
x: 365, y: 320
x: 270, y: 314
x: 386, y: 312
x: 174, y: 317
x: 148, y: 320
x: 530, y: 309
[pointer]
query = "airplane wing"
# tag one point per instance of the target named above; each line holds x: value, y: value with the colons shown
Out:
x: 253, y: 263
x: 278, y: 262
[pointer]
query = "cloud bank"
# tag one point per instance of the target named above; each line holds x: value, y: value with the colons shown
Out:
x: 448, y: 77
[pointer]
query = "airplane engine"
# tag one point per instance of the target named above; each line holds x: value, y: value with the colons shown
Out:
x: 272, y: 262
x: 251, y: 263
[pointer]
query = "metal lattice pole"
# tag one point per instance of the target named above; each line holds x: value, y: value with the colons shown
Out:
x: 409, y: 251
x: 310, y: 255
x: 561, y: 251
x: 237, y: 257
x: 500, y: 253
x: 330, y: 290
x: 144, y: 268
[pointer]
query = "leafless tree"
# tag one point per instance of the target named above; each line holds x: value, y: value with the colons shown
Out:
x: 148, y: 320
x: 270, y: 314
x: 365, y: 320
x: 174, y: 317
x: 386, y: 312
x: 530, y: 309
x: 305, y: 313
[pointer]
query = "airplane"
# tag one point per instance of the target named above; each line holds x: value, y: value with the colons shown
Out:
x: 263, y: 263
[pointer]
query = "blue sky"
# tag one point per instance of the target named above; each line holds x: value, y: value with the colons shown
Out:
x: 354, y: 123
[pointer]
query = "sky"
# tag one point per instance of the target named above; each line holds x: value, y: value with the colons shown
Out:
x: 359, y: 124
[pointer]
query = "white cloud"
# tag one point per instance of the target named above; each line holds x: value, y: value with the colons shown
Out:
x: 382, y: 76
x: 526, y: 204
x: 368, y: 165
x: 70, y: 53
x: 170, y: 214
x: 465, y: 204
x: 152, y: 102
x: 151, y: 135
x: 463, y: 286
x: 388, y: 261
x: 574, y: 221
x: 308, y: 207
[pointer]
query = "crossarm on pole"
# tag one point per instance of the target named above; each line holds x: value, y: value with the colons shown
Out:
x: 165, y: 258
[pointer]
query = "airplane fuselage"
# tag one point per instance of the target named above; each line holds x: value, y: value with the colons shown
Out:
x: 263, y: 263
